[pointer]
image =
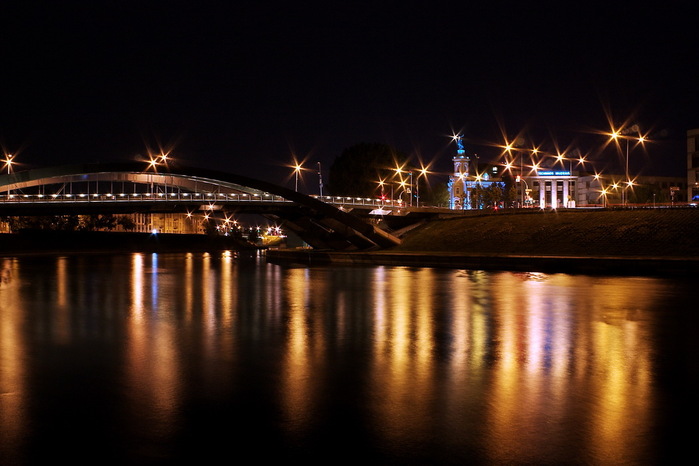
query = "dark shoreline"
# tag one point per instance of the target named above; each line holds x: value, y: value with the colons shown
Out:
x: 56, y: 242
x: 607, y: 265
x: 53, y: 242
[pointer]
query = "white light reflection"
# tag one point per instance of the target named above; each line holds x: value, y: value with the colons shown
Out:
x: 137, y: 286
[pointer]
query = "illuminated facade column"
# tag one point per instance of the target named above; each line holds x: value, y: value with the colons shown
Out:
x: 565, y: 192
x: 542, y: 193
x: 554, y: 193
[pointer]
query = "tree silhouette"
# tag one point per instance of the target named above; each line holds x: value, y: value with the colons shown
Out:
x: 357, y: 171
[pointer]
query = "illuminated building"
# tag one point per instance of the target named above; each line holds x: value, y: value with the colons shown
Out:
x: 693, y: 165
x: 467, y: 178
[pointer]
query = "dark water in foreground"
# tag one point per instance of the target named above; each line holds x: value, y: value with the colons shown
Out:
x: 202, y: 359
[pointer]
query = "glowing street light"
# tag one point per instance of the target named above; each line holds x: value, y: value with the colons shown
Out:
x: 603, y: 193
x: 153, y: 163
x: 297, y: 170
x: 561, y: 158
x: 8, y: 162
x: 381, y: 184
x: 422, y: 172
x: 615, y: 135
x: 402, y: 185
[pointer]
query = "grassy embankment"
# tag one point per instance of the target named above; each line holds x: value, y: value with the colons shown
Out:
x: 639, y: 232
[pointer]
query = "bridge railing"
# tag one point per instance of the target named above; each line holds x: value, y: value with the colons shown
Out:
x: 188, y: 197
x: 139, y: 197
x: 362, y: 201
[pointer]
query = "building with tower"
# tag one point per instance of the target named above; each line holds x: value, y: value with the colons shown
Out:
x: 469, y: 178
x: 471, y: 183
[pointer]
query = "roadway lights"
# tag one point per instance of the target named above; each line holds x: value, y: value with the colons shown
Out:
x: 615, y: 136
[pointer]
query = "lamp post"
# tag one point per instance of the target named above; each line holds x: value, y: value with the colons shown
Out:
x: 604, y: 197
x: 297, y: 169
x: 320, y: 181
x: 417, y: 191
x: 624, y: 132
x: 381, y: 183
x: 423, y: 172
x: 399, y: 171
x: 521, y: 179
x: 8, y: 162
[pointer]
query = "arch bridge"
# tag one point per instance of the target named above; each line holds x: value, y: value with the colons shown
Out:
x: 128, y: 188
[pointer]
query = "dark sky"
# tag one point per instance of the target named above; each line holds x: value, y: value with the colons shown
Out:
x: 246, y: 86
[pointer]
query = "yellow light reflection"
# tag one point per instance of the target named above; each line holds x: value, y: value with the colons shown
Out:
x: 12, y: 356
x: 151, y: 351
x: 62, y: 316
x: 404, y: 351
x: 299, y: 384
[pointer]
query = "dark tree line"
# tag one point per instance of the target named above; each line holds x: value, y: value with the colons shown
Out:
x: 360, y: 168
x: 92, y: 222
x: 357, y: 171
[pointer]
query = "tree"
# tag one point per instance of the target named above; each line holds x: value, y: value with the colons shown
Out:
x: 478, y: 197
x: 357, y: 171
x: 511, y: 199
x: 44, y: 222
x: 126, y: 223
x: 97, y: 222
x: 493, y: 195
x: 438, y: 196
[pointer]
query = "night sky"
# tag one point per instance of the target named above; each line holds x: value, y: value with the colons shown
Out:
x: 247, y: 86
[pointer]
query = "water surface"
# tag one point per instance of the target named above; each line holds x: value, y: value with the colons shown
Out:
x: 174, y: 358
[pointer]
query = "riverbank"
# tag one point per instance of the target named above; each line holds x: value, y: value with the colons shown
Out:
x: 46, y: 241
x: 638, y: 241
x: 608, y: 265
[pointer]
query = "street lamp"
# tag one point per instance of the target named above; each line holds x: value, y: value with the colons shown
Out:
x: 8, y: 162
x: 381, y: 184
x: 402, y: 185
x: 399, y: 171
x: 297, y: 170
x: 641, y: 139
x: 521, y: 179
x: 423, y: 172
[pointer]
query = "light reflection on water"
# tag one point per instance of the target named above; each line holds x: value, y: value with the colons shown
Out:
x: 173, y: 356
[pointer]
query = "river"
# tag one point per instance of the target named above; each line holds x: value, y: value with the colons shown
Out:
x: 196, y: 358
